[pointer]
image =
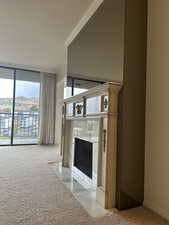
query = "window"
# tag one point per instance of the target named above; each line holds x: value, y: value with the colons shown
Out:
x: 19, y: 106
x: 76, y: 86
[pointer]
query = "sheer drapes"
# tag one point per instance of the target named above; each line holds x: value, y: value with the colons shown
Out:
x: 47, y: 108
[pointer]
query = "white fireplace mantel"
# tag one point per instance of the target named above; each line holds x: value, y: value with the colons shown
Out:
x: 101, y: 104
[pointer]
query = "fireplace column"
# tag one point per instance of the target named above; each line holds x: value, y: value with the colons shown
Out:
x: 67, y: 143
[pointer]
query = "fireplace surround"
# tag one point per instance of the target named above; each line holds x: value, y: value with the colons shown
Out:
x: 92, y: 117
x: 88, y: 130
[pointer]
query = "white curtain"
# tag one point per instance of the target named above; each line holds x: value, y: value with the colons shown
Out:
x: 47, y: 109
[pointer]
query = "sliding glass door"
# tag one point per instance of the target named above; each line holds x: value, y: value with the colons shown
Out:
x: 19, y: 107
x: 26, y: 107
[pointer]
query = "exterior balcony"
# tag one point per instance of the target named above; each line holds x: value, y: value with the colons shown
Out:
x: 25, y: 128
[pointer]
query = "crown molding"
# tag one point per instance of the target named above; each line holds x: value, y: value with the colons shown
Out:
x: 83, y: 21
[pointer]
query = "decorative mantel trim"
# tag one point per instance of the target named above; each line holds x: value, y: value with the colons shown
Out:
x: 96, y: 91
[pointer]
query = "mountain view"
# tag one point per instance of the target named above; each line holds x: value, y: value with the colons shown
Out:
x: 26, y: 96
x: 21, y: 104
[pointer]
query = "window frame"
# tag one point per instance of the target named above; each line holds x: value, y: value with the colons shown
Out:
x: 73, y: 79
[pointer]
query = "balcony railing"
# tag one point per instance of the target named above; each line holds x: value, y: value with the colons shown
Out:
x: 26, y: 125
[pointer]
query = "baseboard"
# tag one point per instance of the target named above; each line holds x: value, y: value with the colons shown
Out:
x: 157, y: 209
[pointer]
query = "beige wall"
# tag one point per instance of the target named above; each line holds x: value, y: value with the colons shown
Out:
x: 157, y: 130
x: 97, y: 51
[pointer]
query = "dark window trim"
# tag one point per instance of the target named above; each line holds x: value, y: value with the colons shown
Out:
x: 16, y: 68
x: 77, y: 78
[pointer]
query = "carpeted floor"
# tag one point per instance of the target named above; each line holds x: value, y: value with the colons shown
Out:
x: 31, y: 194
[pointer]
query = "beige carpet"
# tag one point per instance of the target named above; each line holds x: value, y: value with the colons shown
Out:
x: 31, y: 194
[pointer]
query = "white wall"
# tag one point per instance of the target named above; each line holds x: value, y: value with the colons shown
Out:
x: 59, y: 103
x: 60, y: 84
x: 33, y: 32
x: 157, y: 124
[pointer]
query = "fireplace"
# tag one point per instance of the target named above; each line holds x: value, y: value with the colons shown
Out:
x: 83, y: 156
x: 89, y: 140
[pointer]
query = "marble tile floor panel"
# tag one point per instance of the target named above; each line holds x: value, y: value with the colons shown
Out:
x: 85, y: 194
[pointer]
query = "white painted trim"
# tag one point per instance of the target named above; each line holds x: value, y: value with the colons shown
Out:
x: 39, y: 69
x: 88, y: 14
x: 157, y: 209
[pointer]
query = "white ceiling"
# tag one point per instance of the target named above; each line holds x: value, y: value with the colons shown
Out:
x: 33, y: 32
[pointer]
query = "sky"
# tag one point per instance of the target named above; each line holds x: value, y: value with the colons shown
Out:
x: 23, y: 88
